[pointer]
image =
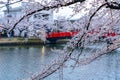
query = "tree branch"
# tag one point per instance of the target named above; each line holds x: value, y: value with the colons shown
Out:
x: 113, y: 5
x: 94, y: 15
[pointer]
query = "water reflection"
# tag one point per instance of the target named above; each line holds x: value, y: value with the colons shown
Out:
x: 43, y: 53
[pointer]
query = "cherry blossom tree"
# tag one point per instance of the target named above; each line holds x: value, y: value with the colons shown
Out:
x: 100, y: 16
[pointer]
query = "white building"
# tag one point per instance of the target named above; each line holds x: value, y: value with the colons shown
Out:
x: 18, y: 11
x: 13, y: 12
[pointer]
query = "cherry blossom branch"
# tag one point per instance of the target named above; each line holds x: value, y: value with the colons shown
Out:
x: 97, y: 54
x: 46, y: 8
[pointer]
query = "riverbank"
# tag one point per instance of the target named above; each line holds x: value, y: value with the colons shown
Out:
x: 26, y: 41
x: 32, y: 41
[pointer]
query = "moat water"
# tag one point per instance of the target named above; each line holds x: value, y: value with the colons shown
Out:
x: 20, y: 62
